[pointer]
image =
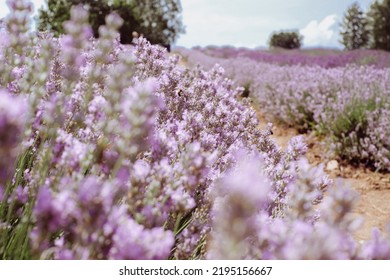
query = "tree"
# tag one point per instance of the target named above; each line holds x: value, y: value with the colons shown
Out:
x: 286, y: 40
x: 58, y: 11
x: 354, y: 28
x: 379, y: 22
x: 158, y: 20
x: 161, y: 20
x: 51, y: 19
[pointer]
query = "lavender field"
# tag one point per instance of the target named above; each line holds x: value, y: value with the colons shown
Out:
x: 111, y: 151
x: 349, y: 104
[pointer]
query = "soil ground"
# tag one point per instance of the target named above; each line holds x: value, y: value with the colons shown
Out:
x: 373, y: 188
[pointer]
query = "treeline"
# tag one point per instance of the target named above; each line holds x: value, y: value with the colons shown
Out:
x: 367, y: 30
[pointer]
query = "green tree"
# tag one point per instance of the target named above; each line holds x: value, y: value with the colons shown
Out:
x: 58, y: 11
x: 51, y: 19
x: 158, y: 20
x: 379, y: 22
x: 161, y: 20
x: 354, y: 28
x: 286, y: 40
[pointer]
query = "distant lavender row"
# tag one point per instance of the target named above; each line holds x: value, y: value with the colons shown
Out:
x: 310, y: 57
x: 117, y: 152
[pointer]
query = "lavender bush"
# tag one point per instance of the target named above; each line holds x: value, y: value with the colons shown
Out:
x: 120, y: 153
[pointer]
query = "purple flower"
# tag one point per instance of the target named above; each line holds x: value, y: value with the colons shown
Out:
x: 376, y: 249
x: 12, y: 122
x: 131, y: 241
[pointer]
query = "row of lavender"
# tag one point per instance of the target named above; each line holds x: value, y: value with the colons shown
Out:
x: 349, y: 105
x: 117, y: 152
x: 311, y: 57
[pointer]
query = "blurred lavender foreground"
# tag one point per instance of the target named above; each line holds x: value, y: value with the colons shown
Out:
x: 118, y: 152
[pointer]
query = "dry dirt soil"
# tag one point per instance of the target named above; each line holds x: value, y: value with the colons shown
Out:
x: 373, y: 188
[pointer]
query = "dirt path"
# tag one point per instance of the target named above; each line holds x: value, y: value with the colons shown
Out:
x: 373, y: 188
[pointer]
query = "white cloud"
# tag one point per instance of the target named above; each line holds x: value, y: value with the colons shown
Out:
x: 323, y: 33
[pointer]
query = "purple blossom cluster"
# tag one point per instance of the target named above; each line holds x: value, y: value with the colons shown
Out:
x: 350, y: 104
x: 90, y: 223
x: 125, y: 154
x: 12, y: 121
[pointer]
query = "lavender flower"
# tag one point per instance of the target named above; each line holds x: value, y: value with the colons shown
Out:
x: 131, y: 241
x: 12, y: 122
x: 376, y: 249
x: 239, y: 197
x: 78, y: 32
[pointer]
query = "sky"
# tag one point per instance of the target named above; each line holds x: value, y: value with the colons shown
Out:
x: 249, y: 23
